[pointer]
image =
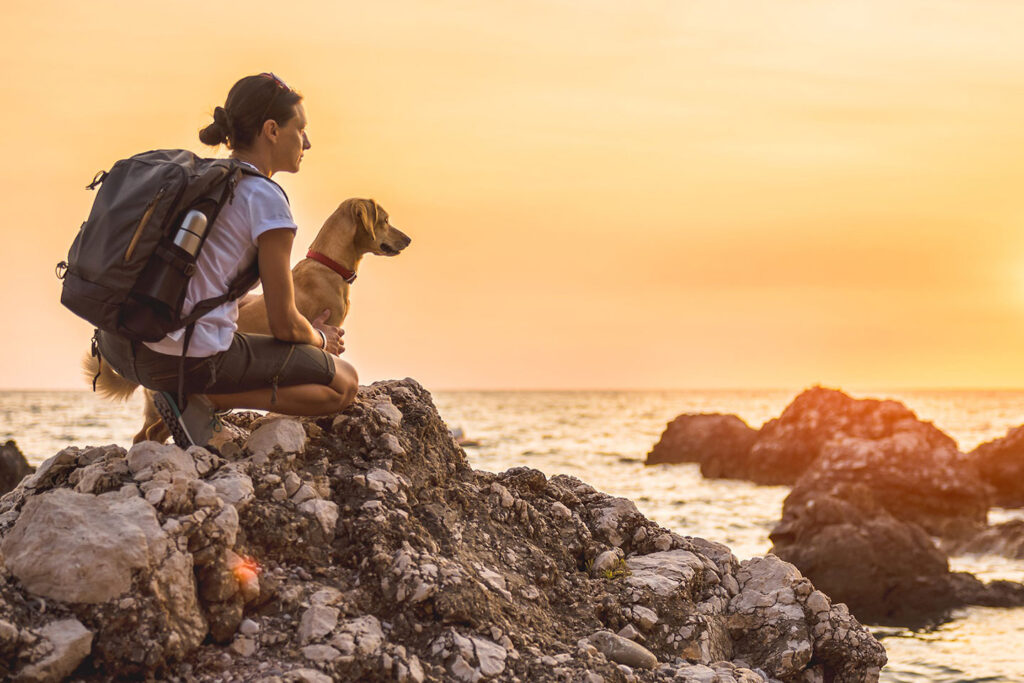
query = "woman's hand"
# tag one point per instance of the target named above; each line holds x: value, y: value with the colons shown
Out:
x: 333, y: 335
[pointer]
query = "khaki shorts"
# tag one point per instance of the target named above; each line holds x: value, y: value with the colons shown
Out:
x: 254, y: 361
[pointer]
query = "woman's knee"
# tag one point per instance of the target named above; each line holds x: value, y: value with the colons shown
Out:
x: 345, y: 382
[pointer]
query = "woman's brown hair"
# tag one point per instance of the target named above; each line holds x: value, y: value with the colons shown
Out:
x: 251, y: 101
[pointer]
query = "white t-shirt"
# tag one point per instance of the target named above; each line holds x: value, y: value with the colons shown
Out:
x: 258, y: 206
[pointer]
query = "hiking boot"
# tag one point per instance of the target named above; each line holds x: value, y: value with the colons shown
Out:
x: 192, y: 427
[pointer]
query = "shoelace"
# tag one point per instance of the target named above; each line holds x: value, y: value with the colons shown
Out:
x: 217, y: 421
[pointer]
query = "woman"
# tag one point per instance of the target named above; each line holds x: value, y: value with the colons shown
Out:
x: 297, y: 370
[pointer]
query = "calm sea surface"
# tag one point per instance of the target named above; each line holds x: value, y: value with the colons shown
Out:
x: 603, y: 437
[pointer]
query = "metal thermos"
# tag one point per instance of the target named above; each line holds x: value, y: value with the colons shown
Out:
x: 191, y: 232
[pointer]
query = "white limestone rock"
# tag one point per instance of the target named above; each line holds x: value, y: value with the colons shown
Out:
x: 233, y: 486
x: 609, y: 520
x: 490, y: 656
x: 664, y: 572
x: 71, y: 642
x: 284, y: 433
x: 157, y: 456
x: 325, y: 511
x: 317, y: 622
x: 618, y: 649
x: 389, y: 412
x: 77, y: 548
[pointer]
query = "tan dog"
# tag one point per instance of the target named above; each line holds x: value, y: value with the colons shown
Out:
x: 356, y: 228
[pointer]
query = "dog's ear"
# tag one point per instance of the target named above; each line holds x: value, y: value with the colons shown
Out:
x: 365, y: 216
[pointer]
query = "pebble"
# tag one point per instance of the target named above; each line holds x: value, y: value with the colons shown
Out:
x: 304, y: 493
x: 320, y: 653
x: 629, y: 632
x: 562, y: 512
x: 246, y: 647
x: 618, y: 649
x: 317, y: 622
x: 248, y: 627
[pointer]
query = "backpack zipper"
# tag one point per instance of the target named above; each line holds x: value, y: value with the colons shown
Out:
x: 150, y: 208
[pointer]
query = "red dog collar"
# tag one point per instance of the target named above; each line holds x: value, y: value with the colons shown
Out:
x: 346, y: 274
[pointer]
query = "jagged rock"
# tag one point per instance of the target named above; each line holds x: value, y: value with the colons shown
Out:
x: 70, y: 643
x: 887, y: 571
x: 233, y: 486
x: 307, y: 676
x: 13, y: 467
x: 364, y: 634
x: 623, y: 651
x: 325, y: 511
x: 1000, y: 464
x: 720, y: 443
x: 904, y: 474
x: 156, y: 456
x: 284, y: 433
x: 52, y: 468
x: 317, y: 622
x: 786, y: 446
x: 404, y: 564
x: 664, y: 572
x: 490, y: 656
x: 77, y: 547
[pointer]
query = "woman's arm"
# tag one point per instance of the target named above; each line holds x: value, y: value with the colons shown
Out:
x: 286, y: 323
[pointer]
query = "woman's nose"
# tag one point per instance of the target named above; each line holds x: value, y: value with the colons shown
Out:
x: 305, y: 141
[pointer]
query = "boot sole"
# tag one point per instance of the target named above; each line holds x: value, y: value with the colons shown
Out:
x: 172, y: 418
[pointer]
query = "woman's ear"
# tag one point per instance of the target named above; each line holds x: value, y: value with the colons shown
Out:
x: 270, y: 129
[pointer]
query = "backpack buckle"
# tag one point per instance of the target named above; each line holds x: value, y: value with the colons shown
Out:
x: 61, y: 270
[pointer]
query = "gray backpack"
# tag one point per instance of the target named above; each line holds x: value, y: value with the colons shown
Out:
x: 128, y: 269
x: 129, y: 266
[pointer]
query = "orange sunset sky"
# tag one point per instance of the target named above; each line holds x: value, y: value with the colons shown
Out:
x: 653, y: 194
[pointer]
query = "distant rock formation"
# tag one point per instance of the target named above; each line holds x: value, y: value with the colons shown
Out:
x: 788, y: 445
x: 13, y: 467
x: 859, y: 524
x: 913, y: 478
x: 785, y: 447
x: 362, y: 546
x: 720, y: 443
x: 1000, y: 464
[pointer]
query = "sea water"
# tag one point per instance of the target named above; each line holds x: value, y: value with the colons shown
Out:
x: 603, y: 438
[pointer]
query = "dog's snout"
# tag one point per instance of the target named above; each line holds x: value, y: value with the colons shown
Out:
x: 403, y: 239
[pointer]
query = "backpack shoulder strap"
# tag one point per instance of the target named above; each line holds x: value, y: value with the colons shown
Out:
x: 246, y: 169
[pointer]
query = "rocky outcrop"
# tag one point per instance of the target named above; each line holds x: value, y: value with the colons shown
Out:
x: 1000, y: 464
x: 720, y: 443
x: 788, y: 445
x: 886, y: 571
x: 13, y: 467
x: 910, y: 477
x: 860, y: 525
x: 370, y: 550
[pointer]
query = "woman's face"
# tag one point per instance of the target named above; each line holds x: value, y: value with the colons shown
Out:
x: 291, y: 142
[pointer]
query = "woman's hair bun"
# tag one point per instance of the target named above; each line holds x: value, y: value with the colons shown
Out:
x: 217, y: 132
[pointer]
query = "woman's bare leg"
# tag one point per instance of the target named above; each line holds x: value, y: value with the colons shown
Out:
x: 301, y: 399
